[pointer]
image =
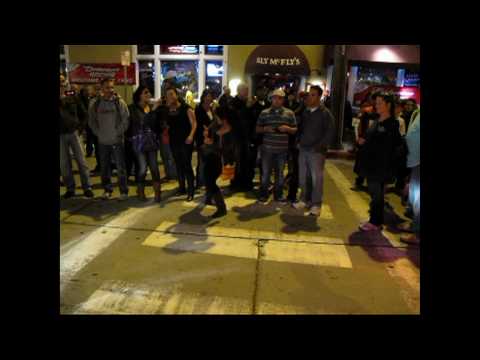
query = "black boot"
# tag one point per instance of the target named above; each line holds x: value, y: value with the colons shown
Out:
x: 220, y: 203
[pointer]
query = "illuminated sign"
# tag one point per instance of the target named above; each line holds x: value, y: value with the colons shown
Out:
x: 183, y: 49
x: 278, y: 61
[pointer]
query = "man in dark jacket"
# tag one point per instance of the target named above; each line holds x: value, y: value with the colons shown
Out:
x: 226, y: 98
x: 244, y: 133
x: 316, y: 131
x: 73, y: 117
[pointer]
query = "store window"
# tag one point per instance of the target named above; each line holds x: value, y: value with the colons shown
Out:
x: 62, y: 49
x: 213, y: 76
x: 146, y: 70
x: 214, y: 49
x: 188, y: 67
x: 146, y: 49
x: 182, y: 74
x: 180, y: 49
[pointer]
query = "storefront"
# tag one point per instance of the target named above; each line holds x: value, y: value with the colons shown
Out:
x: 194, y: 68
x: 394, y: 68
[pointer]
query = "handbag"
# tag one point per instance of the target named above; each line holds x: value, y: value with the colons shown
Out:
x: 145, y: 141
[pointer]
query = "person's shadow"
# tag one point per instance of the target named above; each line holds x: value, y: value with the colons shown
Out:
x: 255, y: 211
x: 190, y: 240
x: 295, y: 223
x: 379, y: 248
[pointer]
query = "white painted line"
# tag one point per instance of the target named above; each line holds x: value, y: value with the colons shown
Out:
x: 312, y: 254
x: 206, y: 245
x: 248, y: 233
x: 116, y: 297
x: 74, y: 258
x: 213, y: 243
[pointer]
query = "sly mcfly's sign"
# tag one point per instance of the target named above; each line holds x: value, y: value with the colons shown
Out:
x: 277, y: 61
x: 281, y: 59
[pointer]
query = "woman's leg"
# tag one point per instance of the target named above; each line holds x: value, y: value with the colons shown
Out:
x: 177, y: 156
x: 376, y: 191
x: 188, y: 170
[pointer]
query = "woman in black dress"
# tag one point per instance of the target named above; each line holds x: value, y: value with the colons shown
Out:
x: 204, y: 117
x: 181, y: 123
x: 218, y: 150
x: 377, y: 162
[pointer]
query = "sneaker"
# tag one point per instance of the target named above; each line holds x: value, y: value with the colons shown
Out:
x: 88, y: 193
x: 69, y: 194
x: 314, y: 211
x: 123, y: 197
x: 369, y: 227
x: 107, y: 195
x: 299, y: 205
x: 281, y: 200
x: 263, y: 199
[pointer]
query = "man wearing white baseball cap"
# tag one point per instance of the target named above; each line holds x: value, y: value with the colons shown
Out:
x: 275, y: 123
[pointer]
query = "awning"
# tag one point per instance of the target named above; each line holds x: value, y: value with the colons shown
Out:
x: 277, y: 59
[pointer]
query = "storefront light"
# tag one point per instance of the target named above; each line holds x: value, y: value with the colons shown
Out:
x: 232, y: 84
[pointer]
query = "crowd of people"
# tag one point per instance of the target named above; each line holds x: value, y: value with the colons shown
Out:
x: 234, y: 136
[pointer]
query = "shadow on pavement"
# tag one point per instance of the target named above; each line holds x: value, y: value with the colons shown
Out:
x: 99, y: 209
x: 296, y: 223
x: 255, y: 211
x: 379, y: 248
x: 187, y: 242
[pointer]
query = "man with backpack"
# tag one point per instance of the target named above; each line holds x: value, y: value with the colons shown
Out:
x: 73, y: 117
x: 109, y: 121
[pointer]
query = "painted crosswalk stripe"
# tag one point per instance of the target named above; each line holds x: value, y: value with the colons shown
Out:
x: 358, y: 205
x: 75, y: 257
x: 173, y: 236
x: 115, y: 297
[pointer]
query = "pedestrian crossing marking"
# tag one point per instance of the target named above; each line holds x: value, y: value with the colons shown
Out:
x: 209, y: 241
x: 75, y: 257
x: 312, y: 254
x: 358, y: 205
x: 248, y: 233
x: 213, y: 245
x: 117, y: 297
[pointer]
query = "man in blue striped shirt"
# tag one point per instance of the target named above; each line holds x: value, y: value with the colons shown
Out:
x: 275, y: 123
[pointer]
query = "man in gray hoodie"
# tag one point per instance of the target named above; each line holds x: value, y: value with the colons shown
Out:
x: 316, y: 130
x: 108, y: 119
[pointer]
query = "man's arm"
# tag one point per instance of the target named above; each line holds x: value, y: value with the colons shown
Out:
x: 193, y: 123
x: 92, y: 117
x: 291, y: 128
x: 327, y: 139
x: 124, y: 116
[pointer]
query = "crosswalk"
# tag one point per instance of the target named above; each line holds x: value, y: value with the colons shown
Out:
x: 168, y: 297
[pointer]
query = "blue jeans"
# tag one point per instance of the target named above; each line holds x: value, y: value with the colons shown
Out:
x: 168, y: 162
x: 277, y: 163
x: 118, y: 152
x: 67, y: 142
x: 414, y: 197
x: 144, y: 159
x: 311, y: 167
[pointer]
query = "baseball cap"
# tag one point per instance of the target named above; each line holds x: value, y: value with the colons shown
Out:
x: 278, y: 92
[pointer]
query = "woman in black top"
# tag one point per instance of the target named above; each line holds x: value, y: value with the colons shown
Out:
x: 147, y: 154
x: 218, y: 150
x: 378, y: 157
x: 204, y: 117
x: 181, y: 123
